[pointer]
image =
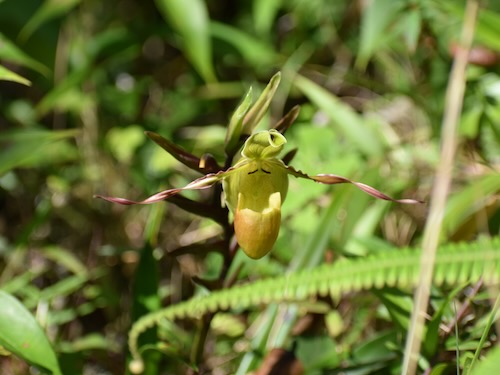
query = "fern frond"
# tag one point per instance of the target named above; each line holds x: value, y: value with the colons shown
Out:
x: 455, y: 264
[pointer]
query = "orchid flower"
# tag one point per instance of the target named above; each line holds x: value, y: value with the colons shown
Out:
x: 256, y: 186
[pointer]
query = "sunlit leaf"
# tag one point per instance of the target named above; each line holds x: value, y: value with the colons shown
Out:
x: 490, y: 364
x: 190, y: 19
x: 464, y: 204
x: 487, y: 26
x: 31, y: 147
x: 343, y: 117
x: 9, y: 75
x: 376, y: 18
x: 255, y: 51
x: 264, y: 15
x: 411, y: 28
x: 21, y: 335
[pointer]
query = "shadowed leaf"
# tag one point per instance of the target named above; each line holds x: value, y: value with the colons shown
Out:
x: 10, y: 52
x: 48, y: 10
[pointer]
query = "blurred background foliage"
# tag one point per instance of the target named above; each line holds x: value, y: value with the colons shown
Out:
x: 84, y: 78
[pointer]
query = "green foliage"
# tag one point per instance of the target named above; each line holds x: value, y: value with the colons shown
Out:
x: 35, y: 147
x: 190, y: 19
x: 22, y: 335
x: 9, y: 75
x: 80, y: 83
x: 455, y: 264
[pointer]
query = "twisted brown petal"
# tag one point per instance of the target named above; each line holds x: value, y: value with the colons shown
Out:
x: 198, y: 184
x: 331, y: 179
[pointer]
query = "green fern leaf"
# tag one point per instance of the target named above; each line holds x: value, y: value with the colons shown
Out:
x: 455, y: 264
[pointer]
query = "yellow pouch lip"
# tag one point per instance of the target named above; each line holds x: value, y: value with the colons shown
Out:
x: 257, y: 231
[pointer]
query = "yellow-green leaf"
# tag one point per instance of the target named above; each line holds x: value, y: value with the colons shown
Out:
x: 22, y: 335
x: 9, y: 75
x: 190, y: 19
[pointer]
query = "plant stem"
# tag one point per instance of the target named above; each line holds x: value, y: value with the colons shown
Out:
x: 453, y: 108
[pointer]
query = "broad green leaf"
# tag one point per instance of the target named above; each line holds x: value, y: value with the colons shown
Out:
x: 48, y: 10
x: 10, y: 52
x: 470, y: 121
x: 487, y: 25
x: 488, y: 28
x: 376, y: 18
x: 190, y: 19
x: 490, y: 364
x: 25, y: 148
x: 464, y: 204
x: 255, y: 51
x: 411, y: 27
x: 22, y: 335
x: 9, y: 75
x: 344, y: 118
x: 264, y: 15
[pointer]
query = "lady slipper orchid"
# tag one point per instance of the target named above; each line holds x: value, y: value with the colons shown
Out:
x: 255, y: 187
